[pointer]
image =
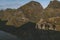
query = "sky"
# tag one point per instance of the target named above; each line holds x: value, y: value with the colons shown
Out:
x: 18, y: 3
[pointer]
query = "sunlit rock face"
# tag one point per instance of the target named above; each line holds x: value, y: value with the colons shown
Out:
x: 32, y: 11
x: 7, y: 14
x: 53, y: 9
x: 13, y: 16
x: 54, y: 4
x: 17, y: 19
x: 29, y: 12
x: 52, y: 12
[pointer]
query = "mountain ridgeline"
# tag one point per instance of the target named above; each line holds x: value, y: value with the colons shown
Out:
x: 25, y: 22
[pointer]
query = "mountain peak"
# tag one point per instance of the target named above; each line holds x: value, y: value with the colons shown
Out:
x: 32, y: 10
x: 34, y: 2
x: 54, y: 4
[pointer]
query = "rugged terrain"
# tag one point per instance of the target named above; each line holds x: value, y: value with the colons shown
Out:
x: 32, y: 12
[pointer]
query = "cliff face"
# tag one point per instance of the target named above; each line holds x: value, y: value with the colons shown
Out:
x: 32, y: 11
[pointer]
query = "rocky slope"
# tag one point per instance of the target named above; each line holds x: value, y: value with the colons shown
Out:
x: 13, y: 16
x: 29, y: 12
x: 53, y: 9
x: 32, y: 11
x: 17, y: 19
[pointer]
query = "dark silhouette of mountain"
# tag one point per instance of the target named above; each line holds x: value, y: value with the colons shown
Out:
x: 13, y: 30
x: 7, y: 28
x: 28, y: 27
x: 39, y: 35
x: 29, y: 32
x: 2, y: 22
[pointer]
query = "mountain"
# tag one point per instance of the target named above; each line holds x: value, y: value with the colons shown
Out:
x: 29, y: 12
x: 52, y: 13
x: 17, y: 19
x: 54, y: 4
x: 32, y: 11
x: 53, y: 9
x: 13, y: 16
x: 29, y: 32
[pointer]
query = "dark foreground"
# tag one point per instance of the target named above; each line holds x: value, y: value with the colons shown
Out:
x: 7, y: 36
x: 27, y: 32
x: 37, y: 35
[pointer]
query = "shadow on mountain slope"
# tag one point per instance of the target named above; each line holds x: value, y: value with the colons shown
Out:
x: 7, y: 28
x: 29, y: 32
x: 12, y: 29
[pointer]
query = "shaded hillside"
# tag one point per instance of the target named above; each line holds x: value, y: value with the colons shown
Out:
x: 29, y: 32
x: 7, y: 28
x: 1, y: 13
x: 32, y: 11
x: 13, y: 30
x: 52, y: 10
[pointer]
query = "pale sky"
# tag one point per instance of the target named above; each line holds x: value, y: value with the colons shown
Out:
x: 18, y: 3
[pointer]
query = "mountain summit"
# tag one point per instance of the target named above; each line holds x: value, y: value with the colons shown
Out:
x: 54, y: 4
x: 32, y: 11
x: 53, y: 9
